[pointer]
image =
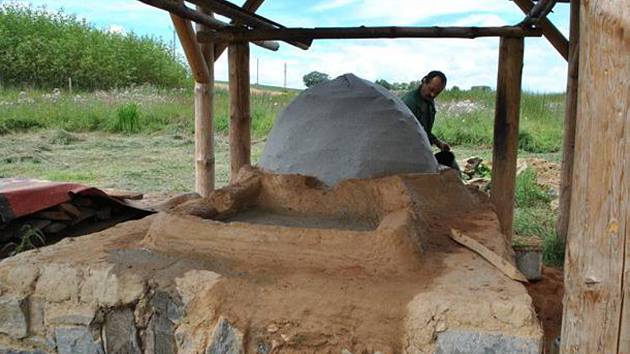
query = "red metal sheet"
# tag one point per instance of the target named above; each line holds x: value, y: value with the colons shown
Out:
x: 19, y: 197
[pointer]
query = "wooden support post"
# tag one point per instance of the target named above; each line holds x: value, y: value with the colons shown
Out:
x: 570, y: 114
x: 204, y: 134
x: 240, y: 116
x: 596, y: 316
x: 506, y: 118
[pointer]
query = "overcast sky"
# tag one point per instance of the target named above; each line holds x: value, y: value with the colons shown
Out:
x: 466, y: 62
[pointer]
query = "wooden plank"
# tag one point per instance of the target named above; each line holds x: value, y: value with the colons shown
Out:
x: 550, y: 31
x: 503, y: 265
x: 193, y: 54
x: 570, y: 114
x: 122, y: 194
x: 240, y: 114
x: 595, y: 318
x: 302, y: 34
x: 204, y: 131
x: 506, y: 120
x: 53, y: 214
x: 249, y: 5
x: 70, y: 209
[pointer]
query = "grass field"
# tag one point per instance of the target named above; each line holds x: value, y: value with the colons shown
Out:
x: 141, y: 139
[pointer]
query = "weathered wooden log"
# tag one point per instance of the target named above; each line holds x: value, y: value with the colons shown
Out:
x: 304, y: 34
x: 240, y: 113
x: 242, y: 16
x: 551, y: 32
x: 506, y: 119
x: 195, y: 60
x: 596, y: 316
x: 204, y: 130
x: 249, y: 5
x: 570, y: 115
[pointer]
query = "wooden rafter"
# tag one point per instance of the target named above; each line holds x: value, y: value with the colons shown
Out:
x: 195, y: 59
x: 550, y: 31
x: 367, y: 32
x: 242, y: 16
x: 181, y: 10
x: 249, y: 5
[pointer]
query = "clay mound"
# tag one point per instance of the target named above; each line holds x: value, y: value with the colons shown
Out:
x: 206, y: 276
x: 347, y: 128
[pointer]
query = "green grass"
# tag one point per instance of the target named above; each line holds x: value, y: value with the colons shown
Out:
x: 534, y: 218
x: 161, y: 162
x: 142, y: 109
x: 540, y: 127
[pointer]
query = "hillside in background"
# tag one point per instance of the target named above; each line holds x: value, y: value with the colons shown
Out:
x: 43, y: 49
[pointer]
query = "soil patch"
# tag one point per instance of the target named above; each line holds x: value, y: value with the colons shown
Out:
x: 547, y: 296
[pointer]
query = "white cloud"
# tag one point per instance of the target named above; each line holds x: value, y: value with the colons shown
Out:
x: 116, y: 29
x: 481, y: 20
x: 465, y: 62
x: 332, y: 4
x: 405, y: 12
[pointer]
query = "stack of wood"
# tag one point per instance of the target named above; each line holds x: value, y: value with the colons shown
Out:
x: 63, y: 217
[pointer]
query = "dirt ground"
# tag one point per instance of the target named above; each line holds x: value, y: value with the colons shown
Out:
x: 547, y: 296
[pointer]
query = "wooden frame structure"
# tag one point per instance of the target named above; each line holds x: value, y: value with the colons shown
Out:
x: 246, y: 26
x: 203, y: 46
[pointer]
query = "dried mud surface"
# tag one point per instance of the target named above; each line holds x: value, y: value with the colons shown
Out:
x: 365, y: 266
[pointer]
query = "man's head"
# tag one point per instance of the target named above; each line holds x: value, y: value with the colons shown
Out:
x: 432, y: 84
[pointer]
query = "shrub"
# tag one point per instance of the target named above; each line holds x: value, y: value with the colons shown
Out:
x: 43, y: 49
x: 127, y: 119
x: 12, y: 125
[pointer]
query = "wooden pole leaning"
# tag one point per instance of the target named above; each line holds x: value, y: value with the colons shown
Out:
x: 186, y: 35
x: 204, y: 132
x: 570, y: 114
x: 506, y: 120
x: 240, y: 112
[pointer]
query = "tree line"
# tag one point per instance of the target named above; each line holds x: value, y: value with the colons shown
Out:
x: 42, y: 49
x: 316, y: 77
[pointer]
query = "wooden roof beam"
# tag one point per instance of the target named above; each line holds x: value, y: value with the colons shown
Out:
x: 551, y: 32
x: 195, y: 59
x: 366, y: 32
x: 179, y: 9
x: 242, y: 16
x: 249, y: 5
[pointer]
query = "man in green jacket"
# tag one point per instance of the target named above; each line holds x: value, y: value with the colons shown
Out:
x: 420, y: 102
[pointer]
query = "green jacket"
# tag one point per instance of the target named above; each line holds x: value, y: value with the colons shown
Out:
x: 423, y: 110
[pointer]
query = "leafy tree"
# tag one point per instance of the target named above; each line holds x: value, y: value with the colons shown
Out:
x: 41, y: 48
x: 384, y: 83
x: 314, y: 78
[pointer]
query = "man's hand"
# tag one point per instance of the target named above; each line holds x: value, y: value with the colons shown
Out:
x: 443, y: 146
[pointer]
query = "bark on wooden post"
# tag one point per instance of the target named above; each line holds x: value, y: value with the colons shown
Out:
x: 506, y: 120
x: 240, y: 116
x: 562, y: 225
x: 204, y: 133
x: 596, y: 315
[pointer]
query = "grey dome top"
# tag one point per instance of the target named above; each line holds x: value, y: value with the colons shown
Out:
x: 347, y: 128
